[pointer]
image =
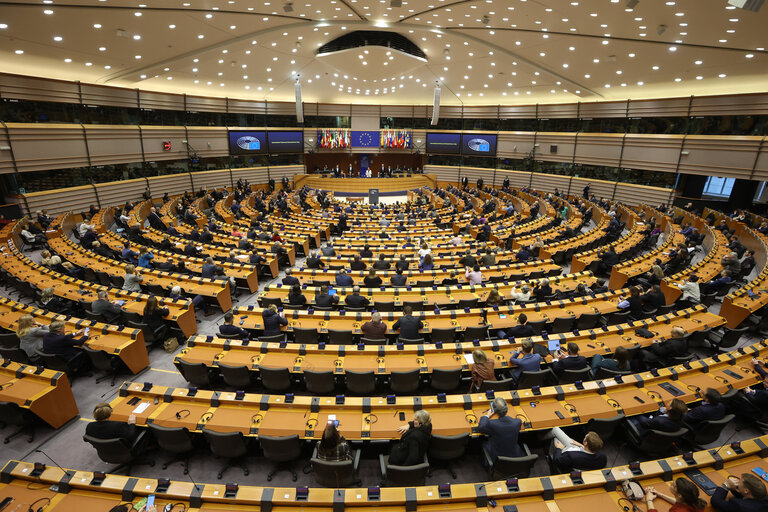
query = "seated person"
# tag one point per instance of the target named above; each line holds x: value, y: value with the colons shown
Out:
x: 374, y: 329
x: 521, y: 330
x: 110, y: 310
x: 685, y: 497
x: 473, y: 275
x: 198, y: 301
x: 382, y: 264
x: 355, y: 300
x: 482, y: 369
x: 273, y: 321
x: 711, y: 409
x: 357, y: 264
x: 654, y: 298
x: 619, y: 362
x: 660, y: 353
x: 154, y: 317
x: 324, y: 299
x: 290, y: 280
x: 372, y: 280
x: 714, y: 285
x: 50, y: 302
x: 408, y: 325
x: 332, y: 447
x: 295, y: 297
x: 669, y: 419
x: 568, y: 454
x: 402, y: 263
x: 570, y: 360
x: 30, y: 334
x: 414, y: 440
x: 451, y: 280
x: 521, y: 294
x: 748, y: 494
x: 502, y: 432
x: 104, y: 428
x: 426, y: 263
x: 542, y: 290
x: 524, y: 360
x: 145, y: 258
x: 228, y: 328
x: 129, y: 255
x: 57, y: 342
x: 366, y: 252
x: 633, y: 303
x: 344, y: 279
x: 314, y: 261
x: 398, y: 279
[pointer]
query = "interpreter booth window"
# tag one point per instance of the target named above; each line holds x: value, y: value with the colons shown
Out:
x: 718, y: 187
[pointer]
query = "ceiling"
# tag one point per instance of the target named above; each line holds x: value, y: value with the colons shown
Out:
x: 480, y: 51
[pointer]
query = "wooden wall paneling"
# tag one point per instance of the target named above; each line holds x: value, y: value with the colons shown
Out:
x: 247, y: 106
x: 39, y: 147
x: 31, y: 88
x: 559, y: 111
x: 599, y: 188
x: 564, y: 146
x: 163, y: 101
x: 208, y: 140
x: 448, y: 111
x: 6, y: 158
x: 602, y: 109
x: 514, y: 144
x: 599, y: 149
x: 281, y: 108
x: 443, y: 172
x: 666, y: 107
x: 481, y: 111
x: 154, y: 136
x: 719, y: 156
x: 422, y: 111
x: 365, y: 110
x: 548, y: 182
x: 174, y: 184
x: 59, y: 201
x: 635, y: 195
x: 118, y: 192
x: 212, y: 179
x: 93, y: 94
x: 730, y: 105
x: 475, y: 173
x: 204, y: 104
x: 333, y: 109
x: 397, y: 111
x: 652, y: 152
x: 112, y: 144
x: 277, y: 172
x: 517, y: 179
x: 310, y: 109
x: 254, y: 175
x: 517, y: 112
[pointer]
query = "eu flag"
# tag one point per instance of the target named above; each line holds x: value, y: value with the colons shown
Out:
x: 365, y: 139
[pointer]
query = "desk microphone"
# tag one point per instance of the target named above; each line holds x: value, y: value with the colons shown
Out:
x: 50, y: 459
x: 192, y: 480
x: 64, y: 485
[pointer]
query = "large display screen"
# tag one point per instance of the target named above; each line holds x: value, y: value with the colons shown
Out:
x: 247, y: 143
x: 478, y: 144
x: 446, y: 143
x: 286, y: 142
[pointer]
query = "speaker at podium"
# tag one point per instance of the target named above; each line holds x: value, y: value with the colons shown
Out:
x: 373, y: 196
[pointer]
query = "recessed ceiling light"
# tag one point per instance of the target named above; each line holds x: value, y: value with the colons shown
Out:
x: 48, y: 11
x: 679, y: 14
x: 673, y: 48
x: 640, y: 83
x: 89, y: 64
x: 722, y: 75
x: 209, y: 16
x: 171, y: 27
x: 107, y: 67
x: 699, y: 77
x: 596, y: 61
x: 143, y: 77
x: 138, y: 57
x: 749, y: 55
x: 232, y: 27
x: 136, y: 37
x: 631, y: 55
x: 97, y: 25
x: 67, y: 60
x: 19, y: 52
x: 678, y: 79
x: 655, y: 68
x: 587, y: 76
x: 200, y: 36
x: 137, y: 14
x: 58, y: 38
x: 698, y: 62
x: 3, y: 26
x: 102, y: 48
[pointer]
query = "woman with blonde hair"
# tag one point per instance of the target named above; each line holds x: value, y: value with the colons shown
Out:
x: 482, y: 369
x: 131, y: 279
x: 45, y: 258
x: 414, y: 440
x: 30, y: 334
x: 494, y: 299
x: 272, y: 321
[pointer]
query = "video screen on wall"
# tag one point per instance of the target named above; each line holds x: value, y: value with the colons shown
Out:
x: 478, y: 144
x: 445, y: 143
x: 247, y: 143
x: 286, y: 142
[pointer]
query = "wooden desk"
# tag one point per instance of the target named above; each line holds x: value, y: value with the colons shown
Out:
x: 46, y: 394
x: 125, y: 343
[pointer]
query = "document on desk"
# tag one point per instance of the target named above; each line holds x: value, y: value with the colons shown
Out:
x: 141, y: 408
x: 469, y: 358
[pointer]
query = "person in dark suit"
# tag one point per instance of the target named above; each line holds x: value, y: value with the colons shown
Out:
x: 634, y: 303
x: 568, y: 454
x: 154, y: 317
x: 414, y: 440
x: 524, y: 359
x: 659, y: 353
x: 228, y: 328
x: 402, y: 263
x: 357, y: 264
x: 56, y: 342
x: 542, y: 290
x: 382, y: 264
x: 451, y: 280
x: 295, y: 297
x: 209, y: 268
x: 608, y: 259
x: 191, y: 249
x: 570, y: 360
x: 521, y: 330
x: 104, y: 428
x: 366, y: 252
x: 130, y: 255
x: 654, y: 298
x: 398, y: 279
x: 109, y: 310
x: 290, y: 280
x: 748, y: 494
x: 711, y: 408
x: 408, y: 325
x: 501, y: 432
x: 206, y: 237
x: 344, y: 279
x: 272, y: 321
x: 324, y: 300
x: 372, y: 280
x: 356, y: 300
x: 155, y: 221
x: 314, y: 262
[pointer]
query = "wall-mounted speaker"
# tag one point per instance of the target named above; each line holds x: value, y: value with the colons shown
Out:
x: 299, y: 105
x: 436, y: 106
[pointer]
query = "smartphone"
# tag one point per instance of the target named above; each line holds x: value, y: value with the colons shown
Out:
x: 150, y: 500
x: 761, y: 473
x: 402, y: 416
x: 7, y: 501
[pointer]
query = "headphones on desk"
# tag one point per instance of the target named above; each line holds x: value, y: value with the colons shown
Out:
x: 41, y: 507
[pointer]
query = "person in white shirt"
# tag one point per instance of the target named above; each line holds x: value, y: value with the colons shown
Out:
x: 521, y: 294
x: 473, y: 275
x: 691, y: 292
x: 457, y: 240
x: 83, y: 228
x: 424, y: 250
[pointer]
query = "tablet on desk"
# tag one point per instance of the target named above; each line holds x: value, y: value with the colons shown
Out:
x: 331, y: 292
x: 120, y: 302
x: 553, y: 345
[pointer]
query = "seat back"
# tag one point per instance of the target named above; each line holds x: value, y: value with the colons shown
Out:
x: 407, y: 476
x: 15, y: 354
x: 444, y: 335
x: 360, y: 383
x: 319, y: 383
x: 172, y: 439
x: 53, y: 362
x: 149, y: 333
x: 514, y: 467
x: 384, y: 306
x: 475, y: 332
x: 13, y: 414
x: 277, y: 338
x: 111, y: 451
x: 562, y: 324
x: 448, y: 447
x: 468, y: 303
x: 731, y: 337
x: 275, y: 379
x: 604, y: 427
x: 445, y: 380
x: 530, y: 379
x: 606, y: 373
x: 656, y: 442
x: 99, y: 359
x: 268, y: 301
x: 369, y: 341
x: 497, y: 385
x: 237, y: 376
x: 229, y: 445
x: 404, y: 382
x: 9, y: 340
x: 281, y: 448
x: 334, y: 474
x: 571, y: 376
x: 96, y: 317
x: 537, y: 326
x: 337, y: 337
x: 305, y: 335
x: 194, y: 373
x: 416, y: 305
x: 708, y: 431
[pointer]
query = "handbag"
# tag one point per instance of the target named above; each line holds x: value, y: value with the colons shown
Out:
x: 632, y: 490
x: 643, y: 332
x: 171, y: 344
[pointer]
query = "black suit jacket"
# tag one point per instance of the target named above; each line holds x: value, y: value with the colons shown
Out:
x: 108, y: 429
x: 409, y: 327
x: 290, y: 281
x: 356, y: 301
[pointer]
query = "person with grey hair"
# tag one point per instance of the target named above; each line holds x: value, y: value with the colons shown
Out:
x: 521, y: 294
x: 410, y: 450
x: 502, y: 432
x: 542, y: 290
x: 356, y: 300
x: 289, y: 279
x: 102, y: 306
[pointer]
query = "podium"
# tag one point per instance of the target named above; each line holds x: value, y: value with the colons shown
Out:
x: 373, y: 196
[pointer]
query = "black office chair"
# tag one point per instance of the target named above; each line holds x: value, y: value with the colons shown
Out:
x: 654, y: 443
x: 410, y: 341
x: 405, y: 382
x: 530, y: 379
x: 197, y: 374
x: 384, y: 306
x: 604, y: 427
x: 360, y: 383
x: 707, y: 432
x: 277, y: 338
x: 370, y: 341
x: 24, y: 419
x: 497, y: 385
x: 232, y: 446
x: 562, y: 324
x: 443, y: 335
x: 467, y: 303
x: 152, y: 336
x: 537, y: 326
x: 571, y: 376
x: 607, y: 373
x: 54, y: 362
x: 588, y: 321
x: 275, y: 379
x: 337, y: 337
x: 268, y: 301
x: 282, y: 450
x: 726, y: 339
x: 444, y: 449
x: 9, y: 340
x: 416, y: 305
x: 174, y: 440
x: 510, y: 467
x: 336, y: 474
x: 15, y: 354
x: 319, y: 383
x: 118, y: 451
x: 112, y: 366
x: 236, y: 376
x: 475, y: 332
x: 443, y: 381
x: 304, y: 335
x: 402, y: 476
